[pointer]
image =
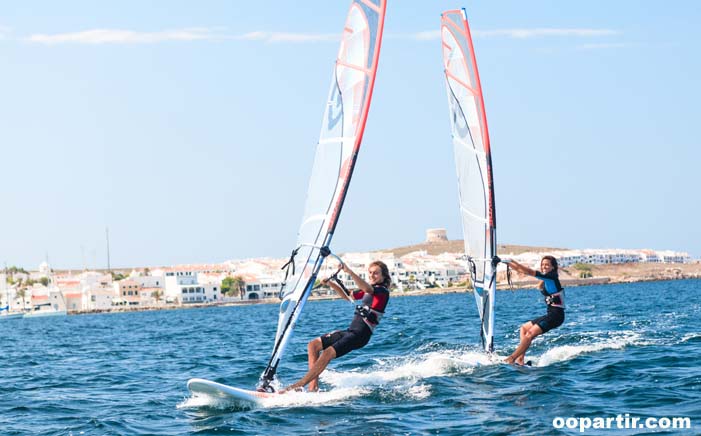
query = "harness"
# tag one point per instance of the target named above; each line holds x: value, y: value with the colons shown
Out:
x: 550, y: 299
x: 370, y: 316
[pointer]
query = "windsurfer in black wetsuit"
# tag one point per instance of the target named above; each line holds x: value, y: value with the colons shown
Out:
x: 374, y: 297
x: 554, y: 298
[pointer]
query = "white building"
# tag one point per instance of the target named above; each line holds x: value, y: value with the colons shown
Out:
x: 150, y: 281
x: 43, y: 298
x: 419, y: 270
x: 182, y: 287
x: 263, y: 286
x: 262, y: 277
x: 99, y: 296
x: 668, y: 256
x: 152, y: 297
x: 72, y: 291
x: 649, y: 256
x: 8, y: 295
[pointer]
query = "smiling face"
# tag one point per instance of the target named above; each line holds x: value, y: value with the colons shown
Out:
x: 375, y: 275
x: 546, y: 266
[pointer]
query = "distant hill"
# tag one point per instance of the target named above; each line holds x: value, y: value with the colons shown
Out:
x: 456, y: 246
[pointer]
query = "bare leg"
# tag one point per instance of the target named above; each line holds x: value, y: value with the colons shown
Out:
x: 526, y: 339
x: 313, y: 349
x: 313, y: 373
x: 522, y: 332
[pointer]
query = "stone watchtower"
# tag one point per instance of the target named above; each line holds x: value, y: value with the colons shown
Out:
x: 436, y: 235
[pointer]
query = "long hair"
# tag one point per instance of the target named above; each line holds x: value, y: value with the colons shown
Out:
x: 386, y: 278
x: 553, y: 262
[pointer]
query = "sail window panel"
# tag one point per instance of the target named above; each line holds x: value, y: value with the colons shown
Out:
x: 352, y: 84
x: 371, y: 17
x: 355, y: 45
x: 322, y: 189
x: 475, y: 244
x: 353, y: 67
x: 471, y: 185
x: 463, y: 92
x: 468, y: 105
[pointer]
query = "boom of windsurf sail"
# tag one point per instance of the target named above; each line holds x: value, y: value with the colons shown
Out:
x: 339, y: 142
x: 474, y: 164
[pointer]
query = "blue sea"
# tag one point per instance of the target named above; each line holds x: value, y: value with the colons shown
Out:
x: 623, y: 349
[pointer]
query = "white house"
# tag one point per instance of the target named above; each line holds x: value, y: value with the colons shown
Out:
x: 649, y: 256
x: 43, y: 298
x: 183, y: 287
x: 668, y: 256
x: 149, y: 281
x: 99, y: 296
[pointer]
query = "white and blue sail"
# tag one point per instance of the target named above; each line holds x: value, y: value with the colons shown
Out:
x: 474, y: 164
x: 336, y: 153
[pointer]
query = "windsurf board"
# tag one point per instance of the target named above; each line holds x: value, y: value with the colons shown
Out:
x: 199, y: 386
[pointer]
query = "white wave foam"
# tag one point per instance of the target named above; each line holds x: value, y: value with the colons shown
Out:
x: 432, y: 364
x: 567, y: 352
x: 395, y: 377
x: 321, y: 398
x: 198, y: 401
x: 290, y: 399
x: 690, y: 336
x: 419, y: 392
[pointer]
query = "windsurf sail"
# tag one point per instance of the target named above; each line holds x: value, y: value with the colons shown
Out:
x: 336, y: 153
x: 474, y: 164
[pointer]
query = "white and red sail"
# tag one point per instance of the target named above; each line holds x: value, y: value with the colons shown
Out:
x: 473, y: 162
x: 339, y: 142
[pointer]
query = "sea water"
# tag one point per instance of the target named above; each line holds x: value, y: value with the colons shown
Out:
x: 623, y: 349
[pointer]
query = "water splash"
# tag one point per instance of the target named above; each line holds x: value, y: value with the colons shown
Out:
x: 412, y: 368
x: 209, y: 402
x: 321, y: 398
x: 396, y: 377
x: 563, y: 353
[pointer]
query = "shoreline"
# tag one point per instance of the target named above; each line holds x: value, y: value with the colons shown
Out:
x: 517, y: 286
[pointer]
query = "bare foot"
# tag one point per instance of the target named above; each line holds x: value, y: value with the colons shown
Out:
x: 290, y: 389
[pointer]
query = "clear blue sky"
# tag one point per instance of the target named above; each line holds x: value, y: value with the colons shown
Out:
x: 189, y: 128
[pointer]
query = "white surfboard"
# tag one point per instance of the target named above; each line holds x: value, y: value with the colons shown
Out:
x: 199, y: 386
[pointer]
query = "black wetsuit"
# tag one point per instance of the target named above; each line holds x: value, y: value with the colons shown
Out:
x: 554, y: 298
x: 365, y: 320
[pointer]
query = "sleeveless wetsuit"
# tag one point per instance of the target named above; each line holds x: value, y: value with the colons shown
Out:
x: 367, y: 316
x: 555, y: 300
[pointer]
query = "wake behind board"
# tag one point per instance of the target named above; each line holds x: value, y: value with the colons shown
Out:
x: 199, y: 386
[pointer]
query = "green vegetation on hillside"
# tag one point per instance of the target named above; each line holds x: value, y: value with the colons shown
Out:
x: 585, y: 270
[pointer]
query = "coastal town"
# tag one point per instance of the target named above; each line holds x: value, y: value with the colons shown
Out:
x: 436, y: 265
